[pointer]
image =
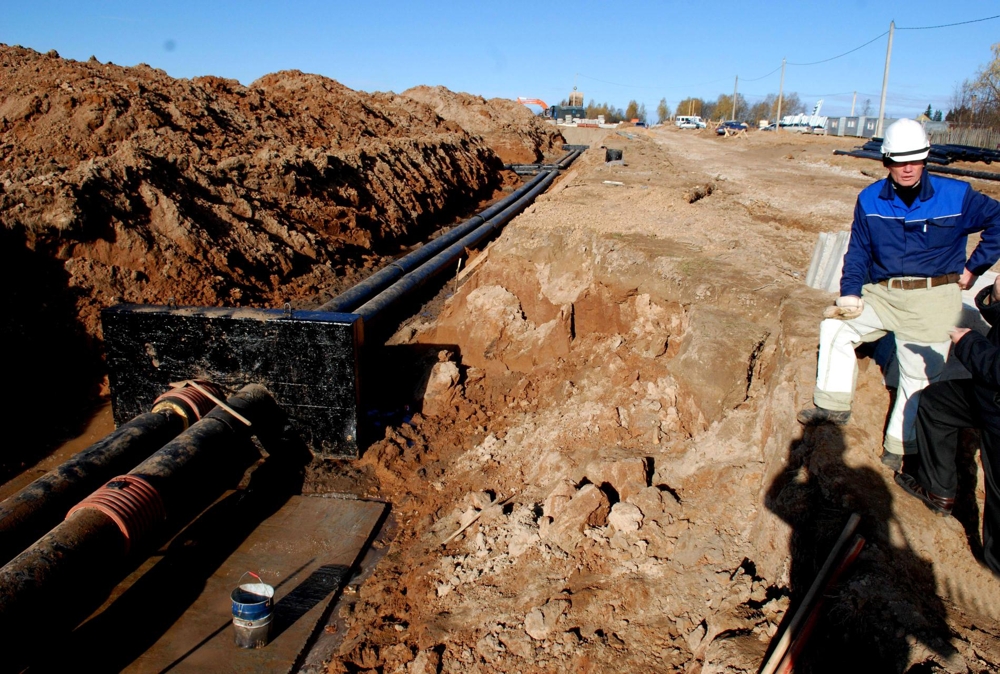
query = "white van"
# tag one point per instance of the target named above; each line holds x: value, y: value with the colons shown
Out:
x: 689, y: 122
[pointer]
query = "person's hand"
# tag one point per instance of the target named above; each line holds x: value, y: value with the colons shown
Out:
x: 966, y: 280
x: 957, y: 334
x: 996, y: 289
x: 846, y: 308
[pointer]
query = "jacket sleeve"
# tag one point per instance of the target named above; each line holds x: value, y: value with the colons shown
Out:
x: 979, y: 357
x: 983, y: 215
x: 990, y: 312
x: 857, y: 259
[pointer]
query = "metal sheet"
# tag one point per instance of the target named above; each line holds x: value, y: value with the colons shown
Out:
x: 167, y: 618
x: 308, y: 360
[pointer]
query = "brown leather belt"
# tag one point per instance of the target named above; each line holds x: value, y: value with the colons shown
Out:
x: 919, y: 283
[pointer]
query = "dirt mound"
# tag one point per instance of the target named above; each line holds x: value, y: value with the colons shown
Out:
x: 149, y: 187
x: 125, y: 184
x: 513, y: 131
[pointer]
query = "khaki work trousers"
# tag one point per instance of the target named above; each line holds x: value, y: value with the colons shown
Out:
x: 920, y: 321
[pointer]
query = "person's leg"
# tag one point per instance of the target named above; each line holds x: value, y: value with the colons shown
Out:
x: 836, y: 368
x: 944, y: 408
x: 919, y: 365
x: 990, y: 453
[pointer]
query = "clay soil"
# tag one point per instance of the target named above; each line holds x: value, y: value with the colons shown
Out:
x: 612, y: 408
x: 590, y: 450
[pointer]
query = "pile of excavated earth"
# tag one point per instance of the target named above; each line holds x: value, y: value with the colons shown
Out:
x: 600, y: 468
x: 125, y: 184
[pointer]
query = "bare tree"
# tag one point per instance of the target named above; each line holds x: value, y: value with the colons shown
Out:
x: 662, y: 111
x: 611, y: 113
x: 723, y: 107
x: 691, y: 106
x: 984, y: 92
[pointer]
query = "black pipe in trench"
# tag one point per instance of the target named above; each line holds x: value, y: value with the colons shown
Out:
x: 442, y: 260
x: 39, y: 506
x: 362, y: 292
x: 83, y: 557
x: 57, y: 582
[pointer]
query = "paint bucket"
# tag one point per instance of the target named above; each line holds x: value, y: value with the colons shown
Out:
x: 252, y: 604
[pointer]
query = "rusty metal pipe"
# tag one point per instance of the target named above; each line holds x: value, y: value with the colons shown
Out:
x: 39, y: 506
x: 67, y: 573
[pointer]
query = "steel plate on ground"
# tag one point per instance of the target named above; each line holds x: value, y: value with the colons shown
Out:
x: 175, y: 612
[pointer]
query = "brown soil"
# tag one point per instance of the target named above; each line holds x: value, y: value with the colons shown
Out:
x: 508, y: 127
x: 604, y: 472
x: 614, y: 398
x: 124, y: 184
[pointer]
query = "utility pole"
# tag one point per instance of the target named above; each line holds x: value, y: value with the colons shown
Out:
x: 885, y: 81
x: 853, y: 101
x: 735, y: 85
x: 781, y: 90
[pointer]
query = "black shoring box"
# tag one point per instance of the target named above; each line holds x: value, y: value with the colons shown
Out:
x: 308, y: 360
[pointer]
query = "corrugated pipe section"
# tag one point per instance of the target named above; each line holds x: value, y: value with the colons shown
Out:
x: 53, y: 585
x: 40, y: 505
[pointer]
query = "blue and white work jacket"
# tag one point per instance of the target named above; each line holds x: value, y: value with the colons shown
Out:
x: 890, y: 239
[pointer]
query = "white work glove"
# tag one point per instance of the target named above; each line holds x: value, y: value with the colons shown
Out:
x: 846, y: 308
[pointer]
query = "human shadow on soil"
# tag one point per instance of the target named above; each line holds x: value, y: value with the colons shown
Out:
x: 887, y: 600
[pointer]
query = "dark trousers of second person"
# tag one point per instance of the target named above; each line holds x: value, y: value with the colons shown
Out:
x: 946, y: 408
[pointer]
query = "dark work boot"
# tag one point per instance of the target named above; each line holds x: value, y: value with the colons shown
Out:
x: 941, y: 505
x: 816, y: 416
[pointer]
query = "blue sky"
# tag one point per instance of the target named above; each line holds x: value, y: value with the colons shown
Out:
x: 613, y: 52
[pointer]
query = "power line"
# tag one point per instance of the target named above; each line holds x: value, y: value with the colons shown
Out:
x: 811, y: 63
x: 948, y: 25
x: 841, y: 55
x: 763, y: 76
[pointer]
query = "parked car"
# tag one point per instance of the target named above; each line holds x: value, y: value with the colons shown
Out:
x: 689, y: 122
x: 731, y: 127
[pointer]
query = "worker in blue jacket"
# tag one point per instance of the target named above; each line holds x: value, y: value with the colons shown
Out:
x: 904, y: 271
x: 947, y: 406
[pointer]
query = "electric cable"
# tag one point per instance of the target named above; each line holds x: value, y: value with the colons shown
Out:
x: 763, y: 76
x: 811, y: 63
x: 947, y: 25
x: 832, y: 58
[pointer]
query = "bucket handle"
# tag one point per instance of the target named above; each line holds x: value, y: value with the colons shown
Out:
x: 248, y: 573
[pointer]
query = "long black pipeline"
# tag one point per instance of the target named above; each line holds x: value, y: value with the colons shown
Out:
x: 40, y: 505
x: 948, y: 170
x: 442, y: 260
x: 53, y: 585
x: 537, y: 168
x: 382, y: 279
x: 951, y: 170
x: 568, y: 159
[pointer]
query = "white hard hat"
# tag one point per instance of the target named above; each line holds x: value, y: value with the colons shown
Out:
x: 905, y: 141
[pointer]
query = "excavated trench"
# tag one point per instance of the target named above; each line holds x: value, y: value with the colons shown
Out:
x: 588, y: 437
x: 602, y: 468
